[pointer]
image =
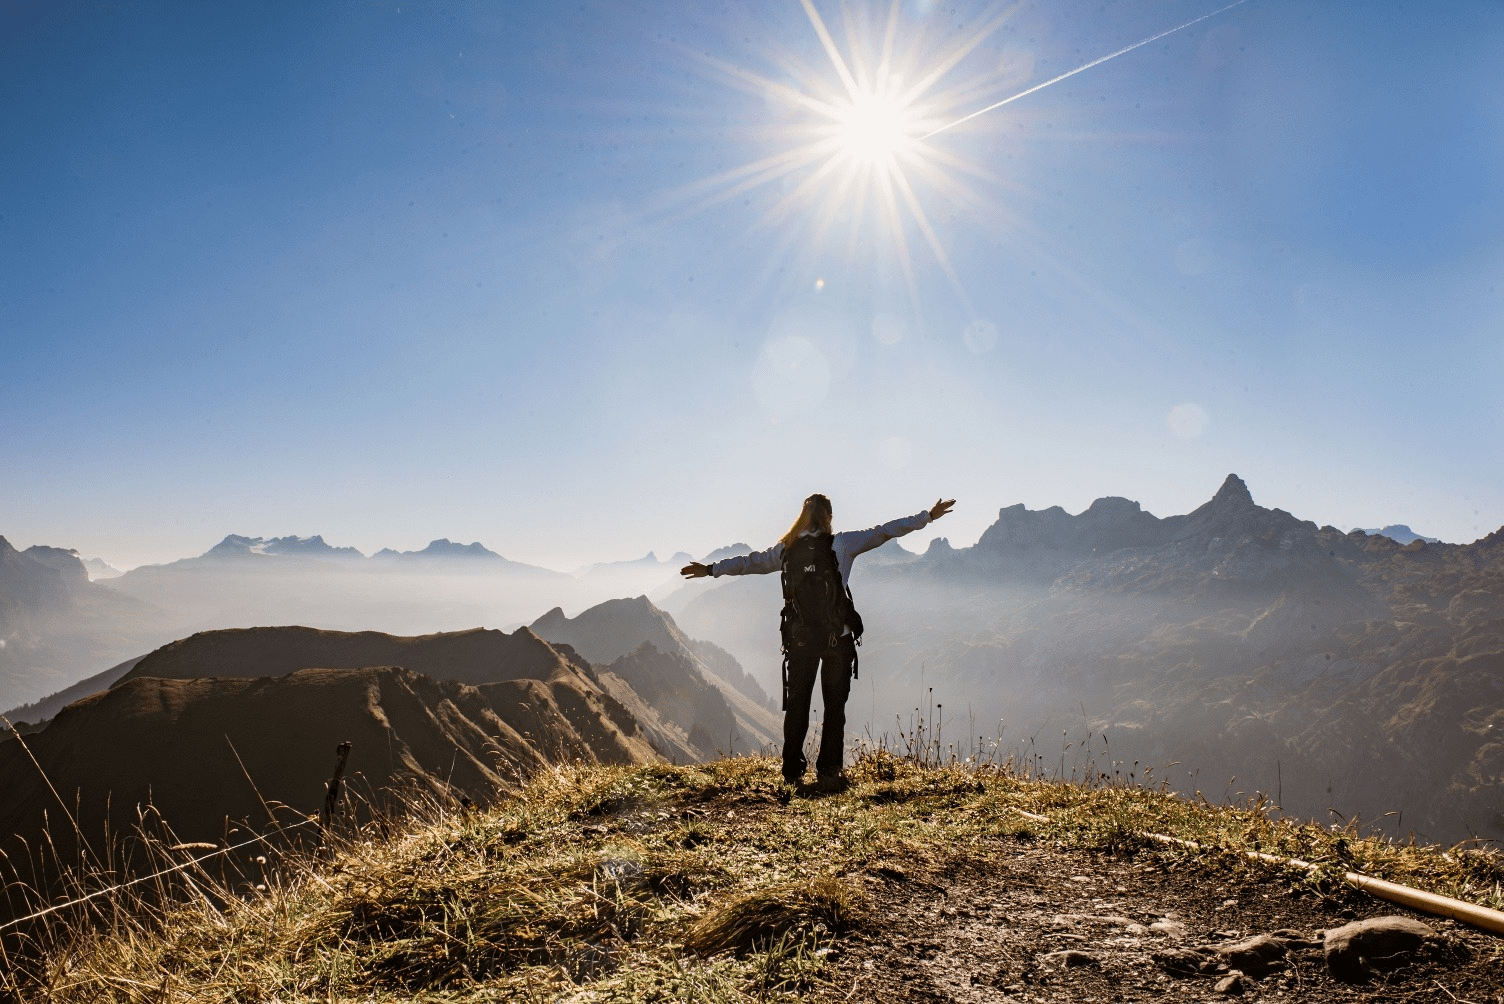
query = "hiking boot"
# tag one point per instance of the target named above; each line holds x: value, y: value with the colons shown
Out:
x: 832, y: 783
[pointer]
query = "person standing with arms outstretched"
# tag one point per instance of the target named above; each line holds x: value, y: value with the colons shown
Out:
x: 819, y: 624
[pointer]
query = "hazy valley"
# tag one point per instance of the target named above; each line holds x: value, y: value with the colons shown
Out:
x: 1251, y: 649
x: 1233, y: 649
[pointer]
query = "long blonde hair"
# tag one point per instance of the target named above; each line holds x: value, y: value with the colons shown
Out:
x: 816, y: 515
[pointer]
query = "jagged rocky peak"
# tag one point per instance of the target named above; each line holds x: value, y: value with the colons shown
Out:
x: 1231, y: 516
x: 1113, y: 507
x: 1233, y: 492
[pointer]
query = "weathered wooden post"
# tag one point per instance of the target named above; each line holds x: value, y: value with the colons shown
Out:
x: 331, y: 795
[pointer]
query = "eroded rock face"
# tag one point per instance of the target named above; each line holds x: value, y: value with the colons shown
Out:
x: 1355, y: 951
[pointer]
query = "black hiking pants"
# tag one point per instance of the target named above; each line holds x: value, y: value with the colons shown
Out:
x: 834, y: 668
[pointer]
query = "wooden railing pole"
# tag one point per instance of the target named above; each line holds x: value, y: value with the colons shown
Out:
x: 336, y: 783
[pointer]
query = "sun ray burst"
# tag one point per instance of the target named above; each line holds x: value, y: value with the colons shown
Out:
x: 860, y: 148
x: 854, y: 153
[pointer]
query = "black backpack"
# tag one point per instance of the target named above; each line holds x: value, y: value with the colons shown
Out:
x: 817, y: 607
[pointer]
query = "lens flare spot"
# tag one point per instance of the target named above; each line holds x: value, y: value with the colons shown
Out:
x: 1187, y: 421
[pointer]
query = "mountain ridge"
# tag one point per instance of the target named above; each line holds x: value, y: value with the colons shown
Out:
x: 177, y: 744
x: 1235, y: 638
x: 709, y: 679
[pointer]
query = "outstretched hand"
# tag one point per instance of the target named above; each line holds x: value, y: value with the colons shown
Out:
x: 941, y: 508
x: 694, y: 570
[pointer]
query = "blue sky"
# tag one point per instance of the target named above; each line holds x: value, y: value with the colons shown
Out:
x: 389, y: 272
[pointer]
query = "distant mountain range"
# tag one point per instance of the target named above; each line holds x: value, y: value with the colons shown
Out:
x: 1330, y: 669
x: 445, y: 549
x: 315, y: 547
x: 1402, y: 534
x: 55, y: 628
x: 1327, y: 669
x: 236, y: 546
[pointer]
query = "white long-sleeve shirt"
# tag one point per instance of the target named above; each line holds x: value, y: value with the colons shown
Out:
x: 847, y: 544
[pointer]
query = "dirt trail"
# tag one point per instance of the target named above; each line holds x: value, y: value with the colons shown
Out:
x: 985, y: 933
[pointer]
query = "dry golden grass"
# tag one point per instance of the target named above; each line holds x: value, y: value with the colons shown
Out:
x: 709, y: 883
x: 798, y: 910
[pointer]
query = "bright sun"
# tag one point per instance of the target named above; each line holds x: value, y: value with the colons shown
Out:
x: 857, y: 149
x: 874, y: 128
x: 851, y: 151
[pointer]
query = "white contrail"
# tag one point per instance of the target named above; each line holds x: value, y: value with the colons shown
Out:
x: 1086, y: 66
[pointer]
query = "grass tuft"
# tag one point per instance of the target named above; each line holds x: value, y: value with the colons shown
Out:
x: 791, y: 912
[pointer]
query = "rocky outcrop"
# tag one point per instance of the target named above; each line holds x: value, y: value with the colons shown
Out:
x: 671, y: 684
x: 1358, y: 950
x: 610, y: 630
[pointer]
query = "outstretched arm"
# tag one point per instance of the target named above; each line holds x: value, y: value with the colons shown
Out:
x: 756, y: 563
x: 859, y: 541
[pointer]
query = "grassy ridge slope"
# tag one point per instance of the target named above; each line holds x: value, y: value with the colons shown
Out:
x: 712, y: 883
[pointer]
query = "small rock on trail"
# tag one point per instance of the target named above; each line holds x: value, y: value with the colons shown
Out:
x: 1355, y: 951
x: 1255, y: 956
